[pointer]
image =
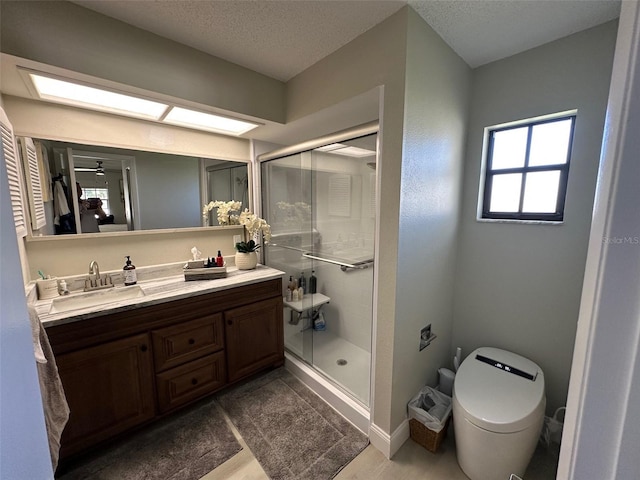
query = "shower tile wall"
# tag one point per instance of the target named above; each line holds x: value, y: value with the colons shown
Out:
x: 355, y: 234
x: 344, y: 318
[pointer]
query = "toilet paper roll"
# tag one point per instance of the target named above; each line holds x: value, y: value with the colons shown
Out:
x: 47, y: 288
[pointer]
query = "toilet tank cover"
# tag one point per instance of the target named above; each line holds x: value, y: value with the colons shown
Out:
x: 500, y: 391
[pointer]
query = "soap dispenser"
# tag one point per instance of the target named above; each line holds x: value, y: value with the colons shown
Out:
x: 129, y: 273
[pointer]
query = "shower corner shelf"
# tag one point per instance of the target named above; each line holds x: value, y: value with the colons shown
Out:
x: 309, y: 303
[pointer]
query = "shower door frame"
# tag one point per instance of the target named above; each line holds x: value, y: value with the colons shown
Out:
x: 342, y: 135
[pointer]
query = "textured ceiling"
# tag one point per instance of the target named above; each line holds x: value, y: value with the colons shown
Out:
x: 482, y: 31
x: 281, y: 38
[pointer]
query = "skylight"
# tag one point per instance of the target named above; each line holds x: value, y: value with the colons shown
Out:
x: 340, y: 149
x: 94, y: 98
x: 207, y: 121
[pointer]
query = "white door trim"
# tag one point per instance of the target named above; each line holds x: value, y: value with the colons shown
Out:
x: 602, y: 405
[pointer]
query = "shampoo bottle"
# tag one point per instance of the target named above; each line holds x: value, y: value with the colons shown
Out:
x: 313, y: 283
x: 302, y: 283
x: 129, y: 273
x: 219, y: 260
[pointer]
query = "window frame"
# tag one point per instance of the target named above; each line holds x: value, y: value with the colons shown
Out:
x: 106, y: 204
x: 489, y: 173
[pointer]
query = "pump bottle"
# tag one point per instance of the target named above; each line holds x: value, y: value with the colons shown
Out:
x: 129, y: 273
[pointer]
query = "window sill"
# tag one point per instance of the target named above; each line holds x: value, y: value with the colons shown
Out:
x: 525, y: 222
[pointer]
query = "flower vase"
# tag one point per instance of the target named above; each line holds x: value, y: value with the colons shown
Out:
x: 246, y: 261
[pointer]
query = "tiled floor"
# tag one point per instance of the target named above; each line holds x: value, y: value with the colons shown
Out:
x: 410, y: 462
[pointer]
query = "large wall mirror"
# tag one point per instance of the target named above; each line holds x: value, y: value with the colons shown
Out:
x: 103, y: 189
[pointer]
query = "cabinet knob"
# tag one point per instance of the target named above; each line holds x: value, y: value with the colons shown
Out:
x: 143, y: 348
x: 194, y: 381
x: 191, y: 341
x: 229, y: 322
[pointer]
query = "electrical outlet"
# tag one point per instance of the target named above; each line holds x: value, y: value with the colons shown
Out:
x: 426, y: 336
x: 236, y: 239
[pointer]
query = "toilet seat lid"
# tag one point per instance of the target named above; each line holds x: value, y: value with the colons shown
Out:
x: 500, y: 391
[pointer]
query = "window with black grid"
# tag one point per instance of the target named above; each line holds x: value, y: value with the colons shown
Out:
x: 527, y: 168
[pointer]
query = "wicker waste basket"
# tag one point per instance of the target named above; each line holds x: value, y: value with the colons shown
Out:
x: 429, y: 416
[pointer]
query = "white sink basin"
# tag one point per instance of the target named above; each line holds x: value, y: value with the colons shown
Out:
x: 76, y: 301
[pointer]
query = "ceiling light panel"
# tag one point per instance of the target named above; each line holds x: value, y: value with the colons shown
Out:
x: 340, y: 149
x: 207, y: 121
x: 90, y: 97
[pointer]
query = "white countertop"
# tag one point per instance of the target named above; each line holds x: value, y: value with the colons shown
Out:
x: 157, y: 291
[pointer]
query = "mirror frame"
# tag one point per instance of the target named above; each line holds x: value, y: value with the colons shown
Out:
x: 202, y: 183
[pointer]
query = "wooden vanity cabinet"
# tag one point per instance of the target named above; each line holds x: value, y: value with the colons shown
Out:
x: 254, y: 337
x: 120, y: 370
x: 109, y: 389
x: 190, y: 360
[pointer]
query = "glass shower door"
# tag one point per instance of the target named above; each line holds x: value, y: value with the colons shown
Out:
x: 321, y: 205
x: 286, y: 203
x: 344, y: 206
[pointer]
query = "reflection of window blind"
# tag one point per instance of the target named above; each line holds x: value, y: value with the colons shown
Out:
x: 34, y: 185
x: 340, y: 195
x: 372, y: 195
x: 13, y: 173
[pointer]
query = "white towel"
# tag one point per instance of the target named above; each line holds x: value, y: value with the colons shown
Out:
x: 61, y: 207
x: 35, y: 336
x: 54, y: 402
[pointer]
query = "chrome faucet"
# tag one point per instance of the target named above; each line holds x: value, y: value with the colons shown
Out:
x: 94, y: 270
x: 94, y: 280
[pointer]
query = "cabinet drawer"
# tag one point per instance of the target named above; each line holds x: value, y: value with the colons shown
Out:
x: 175, y: 345
x: 190, y: 381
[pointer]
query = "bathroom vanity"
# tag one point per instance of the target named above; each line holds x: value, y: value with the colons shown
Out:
x: 135, y: 362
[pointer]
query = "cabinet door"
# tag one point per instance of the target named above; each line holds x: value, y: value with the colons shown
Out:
x: 254, y: 337
x: 109, y: 388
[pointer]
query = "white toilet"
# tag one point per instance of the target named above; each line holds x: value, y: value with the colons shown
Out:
x: 498, y: 411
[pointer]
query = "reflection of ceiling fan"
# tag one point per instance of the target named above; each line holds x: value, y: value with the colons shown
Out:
x: 98, y: 169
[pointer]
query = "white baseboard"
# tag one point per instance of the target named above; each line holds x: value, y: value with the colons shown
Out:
x: 389, y: 444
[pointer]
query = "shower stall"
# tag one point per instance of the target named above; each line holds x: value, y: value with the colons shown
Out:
x: 320, y: 200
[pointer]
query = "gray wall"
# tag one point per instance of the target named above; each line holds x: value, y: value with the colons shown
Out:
x: 602, y: 427
x: 72, y: 37
x: 376, y: 58
x: 436, y: 98
x: 168, y: 191
x: 24, y: 452
x: 518, y: 286
x: 423, y: 115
